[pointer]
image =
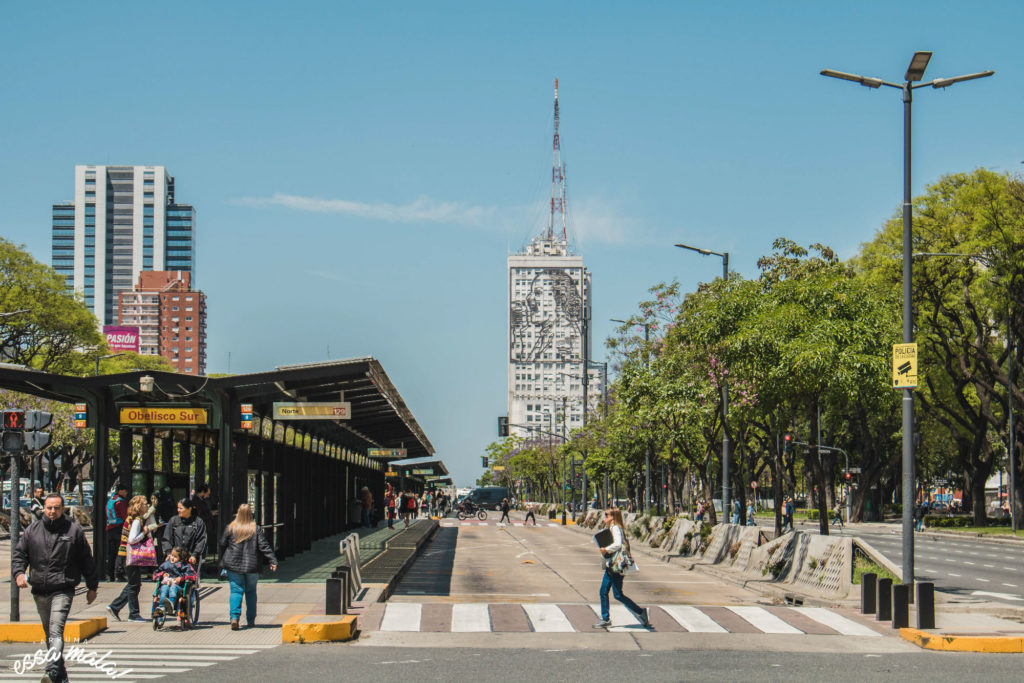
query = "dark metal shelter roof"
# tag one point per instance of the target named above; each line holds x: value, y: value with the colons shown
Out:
x: 426, y: 468
x: 379, y: 415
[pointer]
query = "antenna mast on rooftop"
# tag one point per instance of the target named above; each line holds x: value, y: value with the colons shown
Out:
x: 557, y: 179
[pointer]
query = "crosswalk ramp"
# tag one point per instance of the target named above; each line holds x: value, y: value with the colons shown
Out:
x: 580, y: 618
x: 136, y: 662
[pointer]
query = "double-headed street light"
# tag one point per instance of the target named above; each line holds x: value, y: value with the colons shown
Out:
x: 725, y: 390
x: 99, y: 358
x: 647, y: 458
x: 915, y: 72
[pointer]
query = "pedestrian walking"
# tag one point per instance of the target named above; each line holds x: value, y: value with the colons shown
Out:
x: 389, y: 507
x: 366, y: 501
x: 530, y: 510
x: 57, y: 556
x: 186, y: 530
x: 201, y: 505
x: 138, y: 550
x: 613, y: 569
x: 735, y: 511
x: 787, y: 515
x: 424, y: 498
x: 750, y: 514
x: 408, y: 507
x: 504, y: 511
x: 117, y: 510
x: 36, y: 504
x: 837, y: 515
x: 241, y: 548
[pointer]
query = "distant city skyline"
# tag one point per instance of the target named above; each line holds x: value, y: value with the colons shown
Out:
x: 361, y: 174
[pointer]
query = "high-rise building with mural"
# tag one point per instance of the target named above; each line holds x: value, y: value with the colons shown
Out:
x: 549, y: 338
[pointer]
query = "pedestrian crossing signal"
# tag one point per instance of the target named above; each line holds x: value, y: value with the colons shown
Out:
x: 503, y: 425
x: 14, y: 419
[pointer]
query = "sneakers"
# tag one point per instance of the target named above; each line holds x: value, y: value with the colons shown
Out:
x: 604, y: 623
x: 113, y: 612
x: 644, y: 620
x: 234, y: 624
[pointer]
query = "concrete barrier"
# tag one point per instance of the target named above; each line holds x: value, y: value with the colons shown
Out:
x: 32, y: 632
x: 318, y: 628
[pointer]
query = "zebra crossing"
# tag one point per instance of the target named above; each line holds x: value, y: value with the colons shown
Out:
x: 579, y: 618
x: 136, y: 662
x: 456, y: 523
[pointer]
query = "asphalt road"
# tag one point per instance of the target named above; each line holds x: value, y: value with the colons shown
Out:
x: 969, y: 568
x: 344, y: 662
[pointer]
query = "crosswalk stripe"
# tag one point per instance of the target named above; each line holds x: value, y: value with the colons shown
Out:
x: 623, y: 620
x: 548, y: 618
x: 401, y: 616
x: 764, y: 620
x: 837, y: 622
x: 471, y: 617
x: 692, y: 619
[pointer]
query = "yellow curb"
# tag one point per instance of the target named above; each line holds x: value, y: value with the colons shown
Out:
x: 937, y: 641
x: 29, y: 632
x: 303, y: 629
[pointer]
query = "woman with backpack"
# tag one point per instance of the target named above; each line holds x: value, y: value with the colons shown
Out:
x: 241, y: 548
x: 617, y: 559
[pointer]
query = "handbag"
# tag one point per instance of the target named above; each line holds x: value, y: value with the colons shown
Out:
x: 142, y: 554
x: 622, y: 561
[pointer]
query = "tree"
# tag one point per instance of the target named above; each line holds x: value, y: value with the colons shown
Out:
x: 50, y: 326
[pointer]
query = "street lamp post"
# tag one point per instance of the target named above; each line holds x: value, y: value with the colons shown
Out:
x: 725, y: 390
x: 99, y: 358
x: 915, y: 72
x: 647, y: 457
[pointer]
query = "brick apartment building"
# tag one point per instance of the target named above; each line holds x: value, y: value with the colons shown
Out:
x: 171, y: 318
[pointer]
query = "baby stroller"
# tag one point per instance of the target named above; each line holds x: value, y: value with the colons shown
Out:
x: 187, y: 608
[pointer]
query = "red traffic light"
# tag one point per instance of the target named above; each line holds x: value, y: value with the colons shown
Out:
x: 14, y: 419
x: 788, y: 437
x: 847, y: 476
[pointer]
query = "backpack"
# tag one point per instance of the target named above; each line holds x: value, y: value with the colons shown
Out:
x: 112, y: 517
x: 412, y: 503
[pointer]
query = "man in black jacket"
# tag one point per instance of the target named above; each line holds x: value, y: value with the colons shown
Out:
x: 58, y: 557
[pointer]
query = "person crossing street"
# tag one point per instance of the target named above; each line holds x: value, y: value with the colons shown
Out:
x: 56, y: 555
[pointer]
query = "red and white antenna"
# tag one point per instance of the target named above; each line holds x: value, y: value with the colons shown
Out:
x: 557, y: 179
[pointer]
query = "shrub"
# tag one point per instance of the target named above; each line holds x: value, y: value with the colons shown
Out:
x: 946, y: 522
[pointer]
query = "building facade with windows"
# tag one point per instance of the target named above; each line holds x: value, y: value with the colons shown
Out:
x: 171, y: 318
x: 549, y: 338
x: 122, y: 221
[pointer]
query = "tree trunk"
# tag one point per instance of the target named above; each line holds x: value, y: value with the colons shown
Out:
x: 977, y: 485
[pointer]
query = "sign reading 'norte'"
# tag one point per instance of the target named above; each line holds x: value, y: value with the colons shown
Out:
x: 339, y: 410
x: 122, y: 338
x: 146, y: 415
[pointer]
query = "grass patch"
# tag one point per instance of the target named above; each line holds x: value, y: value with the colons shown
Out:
x: 862, y: 565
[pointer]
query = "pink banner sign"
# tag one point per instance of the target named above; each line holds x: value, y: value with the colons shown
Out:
x: 122, y: 338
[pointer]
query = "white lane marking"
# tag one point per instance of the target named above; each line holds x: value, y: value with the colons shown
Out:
x: 837, y: 622
x: 764, y: 620
x: 548, y: 618
x: 401, y: 616
x: 623, y: 620
x: 966, y: 562
x: 1010, y: 585
x: 692, y: 619
x: 952, y: 574
x: 1004, y: 596
x: 988, y: 566
x: 982, y: 580
x: 1010, y: 569
x: 471, y: 617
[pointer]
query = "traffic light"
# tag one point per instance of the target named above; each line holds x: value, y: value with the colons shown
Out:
x: 483, y: 461
x: 14, y: 419
x: 35, y: 420
x: 847, y: 476
x: 36, y: 441
x: 12, y: 441
x: 503, y: 425
x: 787, y: 444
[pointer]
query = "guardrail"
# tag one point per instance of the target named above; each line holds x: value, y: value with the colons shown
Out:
x: 345, y: 581
x: 349, y: 548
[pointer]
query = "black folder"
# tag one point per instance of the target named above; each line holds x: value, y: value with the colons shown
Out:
x: 604, y: 538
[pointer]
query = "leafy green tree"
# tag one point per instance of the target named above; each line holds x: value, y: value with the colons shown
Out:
x: 48, y: 327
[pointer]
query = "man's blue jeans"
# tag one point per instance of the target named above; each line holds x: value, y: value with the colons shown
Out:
x: 613, y: 582
x: 243, y: 584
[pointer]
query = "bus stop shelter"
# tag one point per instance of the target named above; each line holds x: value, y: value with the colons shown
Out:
x: 302, y: 471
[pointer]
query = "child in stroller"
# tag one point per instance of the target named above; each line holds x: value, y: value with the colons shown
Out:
x: 173, y: 576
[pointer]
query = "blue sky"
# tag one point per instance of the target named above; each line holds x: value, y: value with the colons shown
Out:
x: 361, y: 170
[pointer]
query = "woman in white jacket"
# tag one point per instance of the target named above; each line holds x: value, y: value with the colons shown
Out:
x: 612, y: 580
x: 134, y: 532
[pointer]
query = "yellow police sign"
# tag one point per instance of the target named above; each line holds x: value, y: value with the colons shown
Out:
x: 904, y: 366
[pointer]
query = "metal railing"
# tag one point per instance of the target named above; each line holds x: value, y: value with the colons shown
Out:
x: 349, y: 548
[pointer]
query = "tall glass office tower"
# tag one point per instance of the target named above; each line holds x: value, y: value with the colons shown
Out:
x: 123, y: 220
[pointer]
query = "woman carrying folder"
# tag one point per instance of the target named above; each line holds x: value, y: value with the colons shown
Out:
x: 613, y: 580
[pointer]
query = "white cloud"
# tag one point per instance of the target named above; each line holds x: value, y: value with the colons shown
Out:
x: 592, y: 220
x: 423, y: 209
